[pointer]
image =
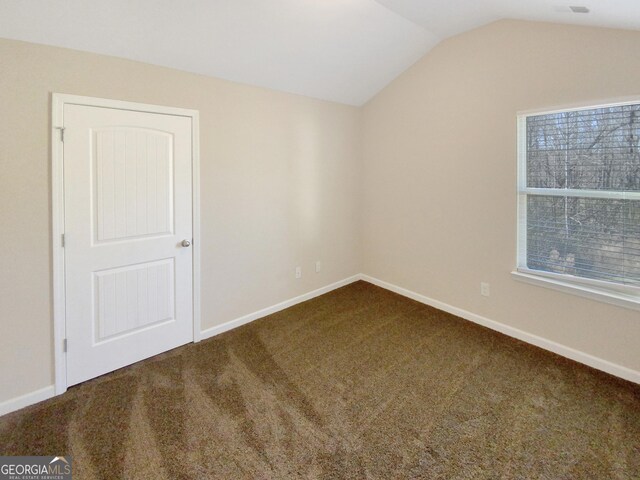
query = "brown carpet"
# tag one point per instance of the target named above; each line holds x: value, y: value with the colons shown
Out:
x: 358, y: 383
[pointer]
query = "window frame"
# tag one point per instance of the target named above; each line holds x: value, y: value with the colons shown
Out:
x: 627, y: 296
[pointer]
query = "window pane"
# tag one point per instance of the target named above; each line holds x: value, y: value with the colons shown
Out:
x: 586, y: 237
x: 597, y: 149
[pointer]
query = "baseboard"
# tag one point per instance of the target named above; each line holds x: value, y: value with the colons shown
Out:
x: 230, y: 325
x: 563, y: 350
x: 22, y: 401
x: 27, y: 399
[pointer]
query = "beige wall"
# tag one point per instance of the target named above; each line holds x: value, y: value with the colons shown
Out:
x: 440, y: 173
x: 282, y: 178
x: 279, y: 182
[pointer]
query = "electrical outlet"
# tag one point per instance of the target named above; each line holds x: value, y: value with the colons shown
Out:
x: 318, y: 266
x: 484, y: 289
x: 298, y: 272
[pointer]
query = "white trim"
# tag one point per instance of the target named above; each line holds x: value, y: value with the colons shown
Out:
x: 22, y: 401
x: 587, y: 105
x: 27, y: 399
x: 568, y: 352
x: 619, y: 299
x: 627, y: 290
x: 195, y: 212
x: 571, y: 192
x: 521, y: 202
x: 608, y: 292
x: 57, y: 209
x: 230, y: 325
x: 58, y: 101
x: 64, y: 98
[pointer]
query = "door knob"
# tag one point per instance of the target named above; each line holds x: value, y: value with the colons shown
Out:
x: 185, y: 243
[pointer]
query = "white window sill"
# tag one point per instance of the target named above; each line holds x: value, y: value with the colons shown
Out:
x: 614, y: 298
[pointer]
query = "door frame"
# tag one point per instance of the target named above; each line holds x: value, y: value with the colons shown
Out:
x: 58, y: 101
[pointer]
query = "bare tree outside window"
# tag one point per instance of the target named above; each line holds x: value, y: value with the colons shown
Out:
x: 583, y: 193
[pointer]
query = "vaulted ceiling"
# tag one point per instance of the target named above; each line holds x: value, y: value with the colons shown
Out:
x: 340, y: 50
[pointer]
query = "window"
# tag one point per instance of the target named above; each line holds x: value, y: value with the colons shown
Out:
x: 579, y: 200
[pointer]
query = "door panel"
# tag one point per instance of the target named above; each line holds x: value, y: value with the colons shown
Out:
x: 128, y: 208
x: 132, y: 297
x: 133, y: 176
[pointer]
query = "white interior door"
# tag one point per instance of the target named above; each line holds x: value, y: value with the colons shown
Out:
x: 128, y: 228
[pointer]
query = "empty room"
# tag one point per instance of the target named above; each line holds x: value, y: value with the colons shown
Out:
x: 321, y: 239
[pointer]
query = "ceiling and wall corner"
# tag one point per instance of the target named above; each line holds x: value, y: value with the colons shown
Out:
x: 338, y: 50
x: 344, y: 51
x: 279, y: 179
x: 445, y: 18
x: 440, y: 176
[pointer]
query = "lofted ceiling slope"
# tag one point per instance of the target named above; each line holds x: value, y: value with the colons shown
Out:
x: 339, y: 50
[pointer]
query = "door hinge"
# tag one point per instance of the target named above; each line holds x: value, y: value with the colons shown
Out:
x: 64, y: 345
x: 61, y: 133
x: 62, y: 240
